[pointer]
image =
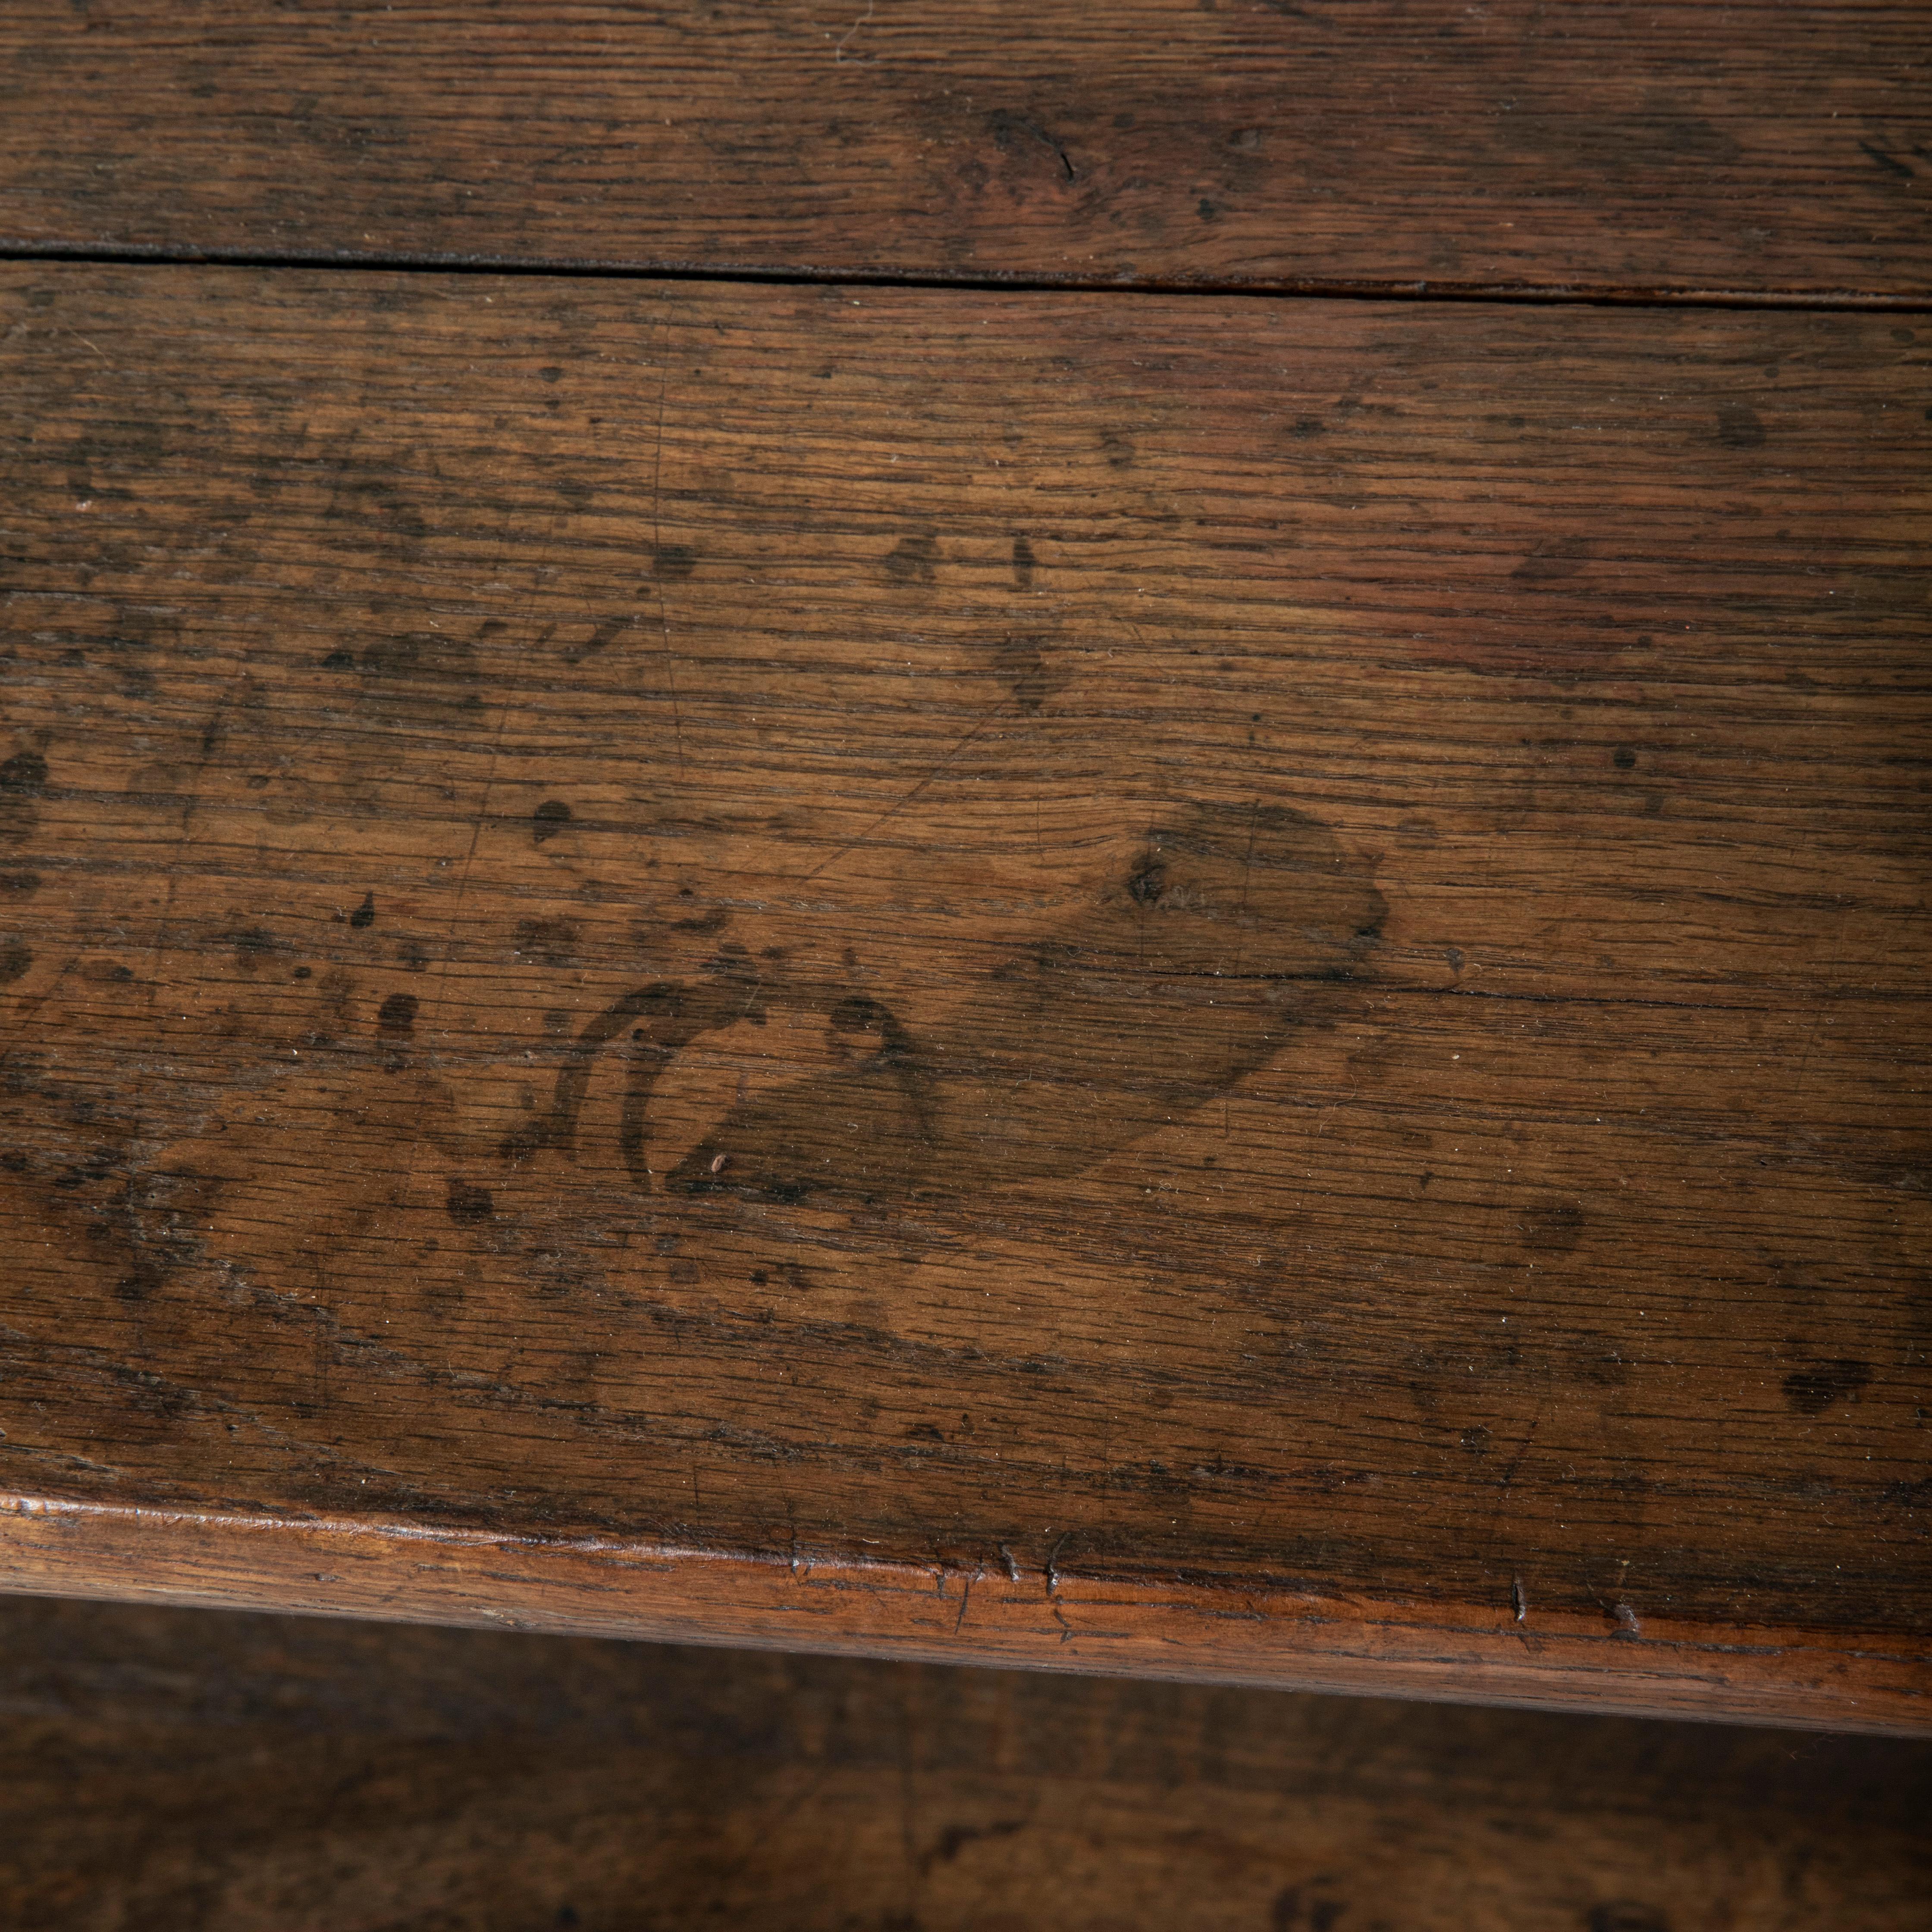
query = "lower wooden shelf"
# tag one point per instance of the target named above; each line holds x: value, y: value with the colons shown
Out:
x: 173, y: 1769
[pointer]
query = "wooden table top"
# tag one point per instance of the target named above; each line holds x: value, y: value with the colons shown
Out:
x: 1759, y: 148
x: 776, y: 872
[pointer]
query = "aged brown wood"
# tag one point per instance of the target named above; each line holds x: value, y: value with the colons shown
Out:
x: 1776, y: 147
x: 951, y: 1612
x: 268, y: 1774
x: 1249, y: 975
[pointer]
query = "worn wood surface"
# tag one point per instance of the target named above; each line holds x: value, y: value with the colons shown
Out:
x: 1271, y: 951
x: 237, y: 1774
x: 1771, y: 148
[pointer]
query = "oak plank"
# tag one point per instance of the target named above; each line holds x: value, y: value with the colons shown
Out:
x: 249, y: 1774
x: 1270, y: 954
x: 1758, y: 149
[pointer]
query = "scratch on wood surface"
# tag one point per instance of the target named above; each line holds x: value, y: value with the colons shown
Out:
x: 1053, y: 1563
x: 892, y: 812
x: 864, y: 20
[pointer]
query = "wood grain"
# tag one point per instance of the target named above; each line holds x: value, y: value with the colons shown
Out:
x: 1251, y: 951
x: 1054, y: 1619
x: 272, y: 1774
x: 1770, y: 149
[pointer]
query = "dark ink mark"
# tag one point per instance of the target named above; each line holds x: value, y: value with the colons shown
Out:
x: 1624, y: 758
x: 661, y: 1020
x: 398, y: 1017
x: 884, y: 1086
x: 672, y: 563
x: 1553, y: 1226
x: 602, y: 638
x: 1739, y: 428
x: 421, y: 680
x: 912, y: 560
x: 413, y: 956
x: 468, y: 1206
x: 19, y: 884
x: 364, y: 916
x: 1003, y: 124
x: 1625, y: 1914
x: 339, y: 661
x: 1476, y: 1440
x: 1197, y: 965
x: 548, y: 819
x: 1118, y: 449
x: 1023, y: 564
x: 957, y: 1837
x: 22, y: 779
x: 1812, y: 1390
x: 1029, y: 675
x: 1306, y: 426
x: 1599, y: 1364
x: 1206, y: 209
x: 716, y: 920
x: 1890, y: 162
x: 302, y: 972
x: 15, y: 959
x: 253, y: 945
x: 1299, y: 1910
x: 551, y: 942
x: 551, y: 375
x: 1554, y: 558
x: 146, y: 1277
